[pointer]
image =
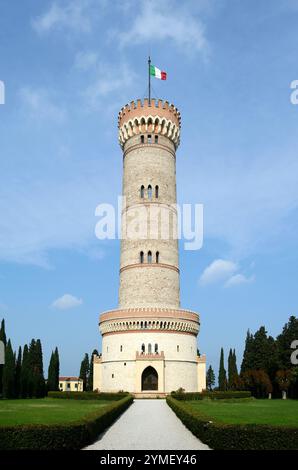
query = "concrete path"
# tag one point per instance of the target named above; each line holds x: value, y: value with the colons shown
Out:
x: 148, y: 424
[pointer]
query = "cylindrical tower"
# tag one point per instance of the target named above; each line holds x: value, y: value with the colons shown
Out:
x: 149, y: 342
x: 149, y: 268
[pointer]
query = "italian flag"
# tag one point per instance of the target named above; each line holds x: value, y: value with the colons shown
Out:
x: 157, y: 73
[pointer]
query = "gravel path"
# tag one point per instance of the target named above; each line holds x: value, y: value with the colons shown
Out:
x: 148, y: 425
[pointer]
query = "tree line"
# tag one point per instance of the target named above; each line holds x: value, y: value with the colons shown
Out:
x: 22, y: 375
x: 266, y: 366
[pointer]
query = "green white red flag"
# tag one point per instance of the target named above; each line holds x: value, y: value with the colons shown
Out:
x: 157, y: 73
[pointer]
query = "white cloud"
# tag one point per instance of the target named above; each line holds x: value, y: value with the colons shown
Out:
x: 66, y: 302
x: 40, y: 105
x: 221, y: 270
x: 165, y: 21
x: 73, y: 16
x: 239, y: 279
x: 218, y: 270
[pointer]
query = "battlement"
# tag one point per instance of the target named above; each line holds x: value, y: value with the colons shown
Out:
x: 158, y: 117
x: 140, y: 108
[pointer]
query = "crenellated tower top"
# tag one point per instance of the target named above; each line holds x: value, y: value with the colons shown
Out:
x: 157, y: 117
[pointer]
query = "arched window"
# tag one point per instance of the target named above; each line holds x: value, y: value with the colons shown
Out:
x: 149, y: 191
x: 142, y: 257
x: 142, y: 191
x: 156, y: 139
x: 142, y: 139
x: 143, y: 348
x: 149, y: 349
x: 156, y: 348
x: 156, y: 192
x: 157, y: 256
x: 149, y: 257
x: 149, y: 139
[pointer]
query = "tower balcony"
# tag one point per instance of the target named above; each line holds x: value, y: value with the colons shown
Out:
x: 141, y: 356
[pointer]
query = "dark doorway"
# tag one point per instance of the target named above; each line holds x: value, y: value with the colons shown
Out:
x: 149, y: 379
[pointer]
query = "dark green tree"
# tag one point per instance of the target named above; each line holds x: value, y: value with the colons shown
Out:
x: 2, y: 332
x: 90, y: 377
x: 84, y: 371
x: 284, y: 341
x: 53, y: 372
x: 36, y: 377
x: 9, y: 372
x: 57, y: 368
x: 3, y: 339
x: 222, y: 376
x: 210, y: 378
x: 25, y: 372
x: 247, y: 362
x: 18, y: 372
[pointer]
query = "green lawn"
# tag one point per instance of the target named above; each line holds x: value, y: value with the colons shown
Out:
x: 46, y: 410
x: 275, y: 412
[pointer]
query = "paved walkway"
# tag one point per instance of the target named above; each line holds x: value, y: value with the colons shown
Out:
x: 148, y: 424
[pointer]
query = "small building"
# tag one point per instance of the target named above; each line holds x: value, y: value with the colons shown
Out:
x: 70, y: 384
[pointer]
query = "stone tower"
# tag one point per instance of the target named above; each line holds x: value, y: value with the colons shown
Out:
x: 149, y: 344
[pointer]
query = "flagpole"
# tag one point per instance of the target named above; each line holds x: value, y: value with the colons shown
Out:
x: 149, y: 81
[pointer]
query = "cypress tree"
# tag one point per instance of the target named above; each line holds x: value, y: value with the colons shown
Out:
x: 57, y: 368
x: 222, y: 376
x: 3, y: 339
x: 90, y: 378
x: 247, y: 362
x: 9, y: 372
x: 230, y: 369
x: 36, y: 378
x: 2, y: 332
x: 51, y: 374
x: 210, y: 378
x: 84, y: 371
x: 39, y: 390
x: 25, y: 372
x: 18, y: 374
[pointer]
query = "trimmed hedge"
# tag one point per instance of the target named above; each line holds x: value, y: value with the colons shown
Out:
x: 212, y: 395
x: 88, y: 395
x: 68, y: 436
x: 234, y: 436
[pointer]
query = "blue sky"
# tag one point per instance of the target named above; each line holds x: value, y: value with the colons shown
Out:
x: 68, y: 67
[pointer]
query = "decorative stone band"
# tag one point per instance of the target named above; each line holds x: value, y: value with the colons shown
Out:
x: 157, y: 146
x: 159, y: 320
x: 153, y: 124
x: 149, y: 265
x: 148, y: 204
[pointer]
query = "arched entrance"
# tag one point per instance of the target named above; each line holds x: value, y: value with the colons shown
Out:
x: 149, y: 379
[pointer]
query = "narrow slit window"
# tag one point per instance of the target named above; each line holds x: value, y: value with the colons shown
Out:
x: 157, y: 257
x: 149, y: 257
x: 156, y: 139
x: 149, y: 191
x: 156, y: 348
x: 142, y: 191
x: 178, y: 348
x: 149, y: 349
x: 142, y: 257
x: 156, y: 191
